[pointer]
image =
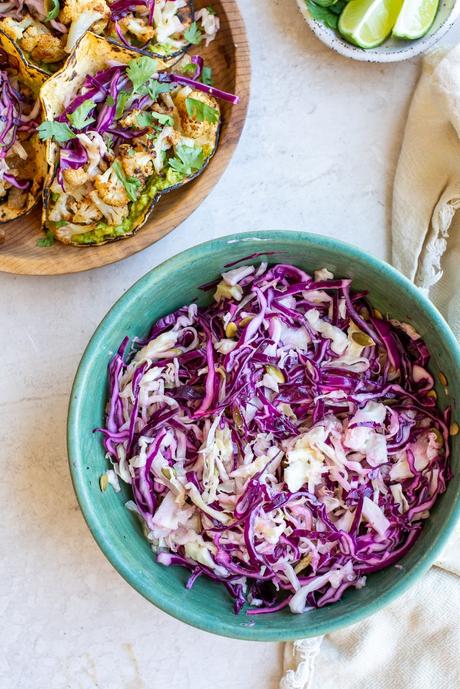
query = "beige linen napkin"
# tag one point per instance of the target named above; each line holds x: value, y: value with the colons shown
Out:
x: 427, y: 187
x: 414, y: 642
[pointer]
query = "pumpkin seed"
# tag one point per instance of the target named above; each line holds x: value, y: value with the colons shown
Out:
x: 231, y: 329
x: 303, y: 563
x: 438, y: 435
x: 433, y: 394
x: 103, y: 482
x: 362, y: 339
x: 275, y: 372
x: 237, y: 418
x: 454, y: 428
x: 378, y: 314
x: 442, y: 379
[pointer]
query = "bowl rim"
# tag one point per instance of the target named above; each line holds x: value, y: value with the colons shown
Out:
x: 333, y: 40
x: 76, y: 459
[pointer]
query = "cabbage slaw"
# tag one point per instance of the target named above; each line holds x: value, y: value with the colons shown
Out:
x: 285, y: 441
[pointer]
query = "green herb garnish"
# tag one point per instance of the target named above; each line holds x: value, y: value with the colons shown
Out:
x: 59, y: 131
x: 201, y: 111
x: 193, y: 34
x: 189, y: 159
x: 140, y: 71
x: 148, y: 119
x: 47, y: 240
x: 206, y: 76
x: 188, y: 70
x: 79, y: 117
x: 154, y: 88
x: 121, y: 103
x: 131, y: 184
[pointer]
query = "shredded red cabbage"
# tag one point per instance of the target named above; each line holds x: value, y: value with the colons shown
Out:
x: 19, y: 117
x: 285, y: 440
x: 171, y: 77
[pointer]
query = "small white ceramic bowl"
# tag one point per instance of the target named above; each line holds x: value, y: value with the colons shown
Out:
x: 393, y: 50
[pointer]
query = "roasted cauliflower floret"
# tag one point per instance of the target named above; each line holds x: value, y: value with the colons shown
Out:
x: 113, y: 215
x: 75, y: 178
x: 42, y: 45
x: 110, y: 189
x: 138, y: 27
x: 87, y: 213
x: 130, y: 120
x: 82, y: 15
x: 59, y: 210
x: 14, y: 28
x: 17, y: 198
x: 191, y: 126
x: 136, y: 162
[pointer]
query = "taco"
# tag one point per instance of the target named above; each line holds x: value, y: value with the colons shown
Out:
x: 120, y: 133
x: 46, y: 31
x: 22, y: 155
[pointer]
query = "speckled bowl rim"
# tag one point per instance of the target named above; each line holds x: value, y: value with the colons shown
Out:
x: 333, y: 40
x: 77, y: 461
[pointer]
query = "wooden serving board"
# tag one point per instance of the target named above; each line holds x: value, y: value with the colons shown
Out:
x: 228, y: 55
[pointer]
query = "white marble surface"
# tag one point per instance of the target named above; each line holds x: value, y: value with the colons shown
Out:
x: 318, y: 153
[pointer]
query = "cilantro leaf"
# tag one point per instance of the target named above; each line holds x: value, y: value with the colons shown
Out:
x: 144, y: 119
x: 79, y: 117
x: 53, y: 11
x: 163, y: 119
x: 211, y: 10
x: 154, y: 88
x: 189, y: 70
x: 201, y: 111
x: 131, y: 184
x: 59, y: 131
x: 147, y: 119
x: 323, y: 14
x: 193, y: 34
x: 121, y: 104
x: 189, y: 159
x: 47, y: 240
x: 140, y: 71
x: 206, y: 76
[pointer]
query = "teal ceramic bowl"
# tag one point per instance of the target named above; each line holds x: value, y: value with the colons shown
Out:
x: 117, y: 531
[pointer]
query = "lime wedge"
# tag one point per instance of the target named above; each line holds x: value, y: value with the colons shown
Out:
x: 367, y: 23
x: 415, y: 18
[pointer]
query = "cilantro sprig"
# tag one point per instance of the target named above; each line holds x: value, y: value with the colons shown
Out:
x: 131, y: 184
x: 149, y: 119
x: 122, y: 99
x: 79, y: 118
x: 59, y: 131
x: 193, y: 34
x: 206, y: 76
x: 47, y: 240
x: 154, y: 88
x: 189, y: 159
x: 201, y: 111
x: 140, y: 71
